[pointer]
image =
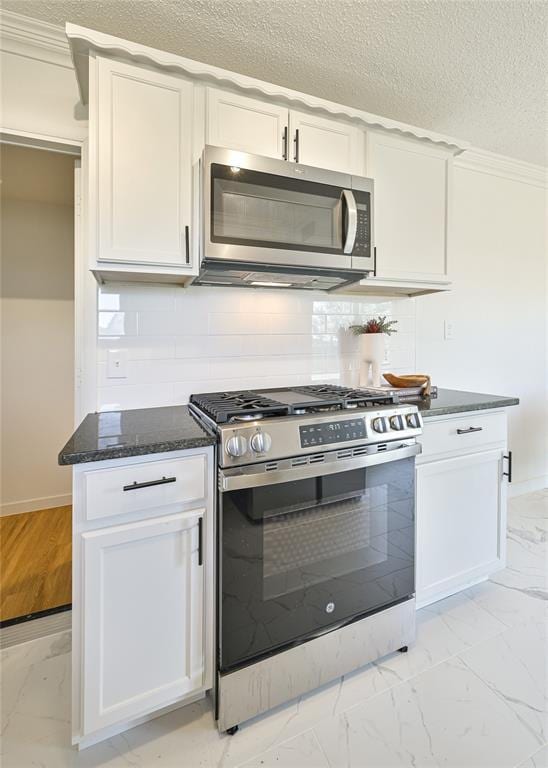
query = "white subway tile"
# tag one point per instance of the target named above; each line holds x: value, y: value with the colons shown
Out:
x: 125, y: 397
x: 138, y: 347
x: 116, y: 324
x: 132, y: 297
x: 158, y: 323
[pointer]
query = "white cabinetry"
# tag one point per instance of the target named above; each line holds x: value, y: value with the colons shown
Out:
x: 262, y: 128
x: 140, y: 170
x: 412, y: 215
x: 143, y: 590
x: 326, y: 143
x: 461, y: 504
x: 411, y: 204
x: 250, y: 125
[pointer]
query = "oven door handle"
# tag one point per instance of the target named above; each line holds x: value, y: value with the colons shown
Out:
x: 244, y: 477
x: 351, y: 222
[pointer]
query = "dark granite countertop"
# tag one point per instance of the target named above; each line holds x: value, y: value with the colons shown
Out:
x: 455, y: 401
x: 118, y: 434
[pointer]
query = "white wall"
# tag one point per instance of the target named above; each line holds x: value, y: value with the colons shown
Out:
x: 498, y: 307
x: 181, y: 341
x: 37, y: 312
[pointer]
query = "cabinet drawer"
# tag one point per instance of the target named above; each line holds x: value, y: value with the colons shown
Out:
x: 149, y: 485
x: 464, y: 432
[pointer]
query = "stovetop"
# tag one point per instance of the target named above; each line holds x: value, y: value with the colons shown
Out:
x: 252, y: 405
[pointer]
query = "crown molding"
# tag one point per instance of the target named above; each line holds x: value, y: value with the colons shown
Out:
x: 34, y: 39
x: 85, y: 42
x: 483, y: 161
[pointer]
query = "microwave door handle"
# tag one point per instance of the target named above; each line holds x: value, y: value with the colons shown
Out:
x: 352, y: 221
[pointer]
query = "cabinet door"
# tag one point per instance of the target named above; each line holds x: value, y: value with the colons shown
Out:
x: 411, y: 207
x: 461, y: 523
x: 250, y: 125
x: 143, y: 616
x: 326, y: 143
x: 143, y: 185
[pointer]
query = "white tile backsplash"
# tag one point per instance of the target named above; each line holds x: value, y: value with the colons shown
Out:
x: 185, y: 340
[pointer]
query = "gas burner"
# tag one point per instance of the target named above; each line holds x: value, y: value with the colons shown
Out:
x: 248, y: 417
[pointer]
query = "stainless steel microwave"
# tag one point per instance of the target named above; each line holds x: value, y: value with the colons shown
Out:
x: 271, y: 222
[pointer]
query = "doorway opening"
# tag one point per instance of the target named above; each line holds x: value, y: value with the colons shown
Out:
x: 37, y: 396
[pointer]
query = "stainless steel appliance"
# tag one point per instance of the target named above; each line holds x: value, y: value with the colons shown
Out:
x: 281, y: 224
x: 316, y: 536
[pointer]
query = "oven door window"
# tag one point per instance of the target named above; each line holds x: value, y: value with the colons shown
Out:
x: 264, y: 210
x: 302, y: 556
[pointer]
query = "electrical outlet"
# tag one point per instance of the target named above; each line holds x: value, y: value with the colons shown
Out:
x: 117, y: 364
x: 449, y: 330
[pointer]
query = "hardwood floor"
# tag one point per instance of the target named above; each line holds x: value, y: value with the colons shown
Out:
x: 36, y: 561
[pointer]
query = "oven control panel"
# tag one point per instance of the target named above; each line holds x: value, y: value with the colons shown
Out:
x: 313, y: 435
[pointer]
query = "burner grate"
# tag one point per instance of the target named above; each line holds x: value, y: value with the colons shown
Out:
x: 224, y: 406
x: 316, y: 398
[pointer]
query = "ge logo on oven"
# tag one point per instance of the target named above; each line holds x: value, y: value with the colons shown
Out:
x: 330, y: 607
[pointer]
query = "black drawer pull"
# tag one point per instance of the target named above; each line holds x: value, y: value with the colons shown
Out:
x: 509, y: 473
x: 467, y: 431
x: 200, y: 541
x: 135, y: 486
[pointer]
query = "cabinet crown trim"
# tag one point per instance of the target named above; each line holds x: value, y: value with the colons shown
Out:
x: 483, y: 161
x: 84, y: 42
x: 24, y: 36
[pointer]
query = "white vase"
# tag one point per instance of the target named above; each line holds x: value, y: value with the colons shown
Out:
x: 372, y: 353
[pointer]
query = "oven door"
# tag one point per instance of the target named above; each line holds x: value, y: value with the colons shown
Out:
x: 268, y: 211
x: 310, y: 548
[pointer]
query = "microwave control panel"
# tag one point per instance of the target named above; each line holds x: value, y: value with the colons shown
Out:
x: 362, y: 246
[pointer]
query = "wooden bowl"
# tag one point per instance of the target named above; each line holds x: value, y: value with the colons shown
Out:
x: 411, y: 380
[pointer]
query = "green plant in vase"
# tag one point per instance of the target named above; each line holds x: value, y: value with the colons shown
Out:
x: 373, y: 335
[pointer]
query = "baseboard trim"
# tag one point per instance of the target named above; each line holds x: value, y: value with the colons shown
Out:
x: 33, y: 505
x: 25, y: 631
x: 33, y: 616
x: 527, y: 486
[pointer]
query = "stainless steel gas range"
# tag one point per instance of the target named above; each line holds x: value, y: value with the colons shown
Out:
x: 316, y: 535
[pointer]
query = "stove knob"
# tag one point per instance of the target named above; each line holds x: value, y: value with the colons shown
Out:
x: 236, y: 446
x: 380, y: 424
x: 413, y: 420
x: 397, y: 422
x: 261, y: 442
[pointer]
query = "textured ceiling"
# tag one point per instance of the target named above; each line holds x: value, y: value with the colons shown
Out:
x: 474, y: 69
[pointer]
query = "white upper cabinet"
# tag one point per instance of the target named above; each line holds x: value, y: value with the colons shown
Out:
x: 250, y: 125
x: 411, y: 207
x: 262, y: 128
x: 143, y: 588
x: 142, y: 150
x: 325, y: 143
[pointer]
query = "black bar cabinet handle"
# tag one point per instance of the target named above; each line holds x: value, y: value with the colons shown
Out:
x: 135, y: 486
x: 297, y: 145
x: 187, y: 244
x: 284, y: 138
x: 374, y: 261
x: 200, y: 540
x: 467, y: 431
x: 509, y: 473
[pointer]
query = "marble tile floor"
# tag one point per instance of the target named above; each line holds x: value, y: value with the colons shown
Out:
x: 471, y: 693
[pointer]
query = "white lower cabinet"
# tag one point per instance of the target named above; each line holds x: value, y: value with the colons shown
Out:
x: 461, y: 516
x: 143, y: 595
x: 143, y: 592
